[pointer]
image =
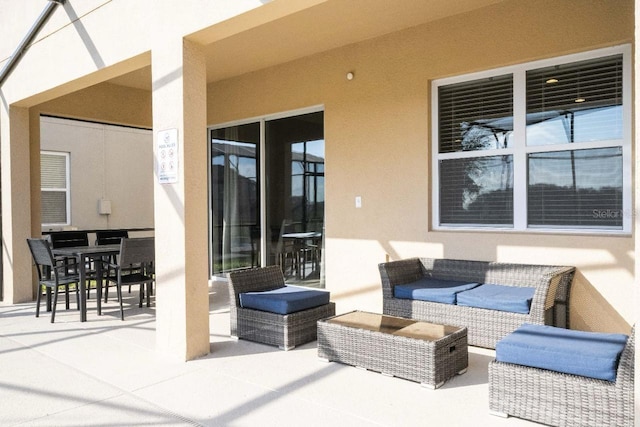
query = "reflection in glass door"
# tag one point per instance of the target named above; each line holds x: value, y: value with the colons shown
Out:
x: 290, y: 230
x: 235, y: 208
x: 294, y: 158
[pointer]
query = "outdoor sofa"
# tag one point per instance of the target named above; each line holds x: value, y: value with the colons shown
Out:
x: 491, y: 299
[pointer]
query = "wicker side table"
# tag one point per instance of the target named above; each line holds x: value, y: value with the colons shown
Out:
x: 418, y: 351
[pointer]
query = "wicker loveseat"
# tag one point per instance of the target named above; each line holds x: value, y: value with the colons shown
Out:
x: 485, y: 326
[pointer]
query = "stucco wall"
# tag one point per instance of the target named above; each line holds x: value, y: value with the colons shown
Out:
x: 100, y: 39
x: 377, y: 134
x: 377, y: 126
x: 106, y: 162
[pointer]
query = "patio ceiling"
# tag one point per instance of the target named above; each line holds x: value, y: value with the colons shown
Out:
x: 255, y: 40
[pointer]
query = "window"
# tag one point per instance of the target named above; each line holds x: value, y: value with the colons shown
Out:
x: 54, y: 181
x: 538, y: 146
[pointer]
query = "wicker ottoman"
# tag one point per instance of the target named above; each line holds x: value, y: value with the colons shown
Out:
x: 418, y: 351
x: 559, y: 399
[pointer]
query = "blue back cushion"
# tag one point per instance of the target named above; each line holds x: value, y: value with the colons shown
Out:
x: 284, y: 300
x: 435, y: 290
x: 589, y: 354
x: 498, y: 297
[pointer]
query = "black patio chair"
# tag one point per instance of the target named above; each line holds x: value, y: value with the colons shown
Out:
x: 51, y: 275
x: 69, y: 239
x: 134, y: 251
x: 110, y: 237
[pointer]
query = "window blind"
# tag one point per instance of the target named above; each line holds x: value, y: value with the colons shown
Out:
x: 576, y: 188
x: 54, y: 207
x: 53, y: 171
x: 478, y: 190
x: 570, y: 165
x: 575, y: 102
x: 53, y: 178
x: 475, y: 115
x: 597, y: 82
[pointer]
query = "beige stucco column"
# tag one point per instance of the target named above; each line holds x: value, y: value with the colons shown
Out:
x: 16, y: 204
x: 636, y: 205
x: 179, y: 108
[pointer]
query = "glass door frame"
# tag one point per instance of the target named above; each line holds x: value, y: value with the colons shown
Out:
x: 262, y: 120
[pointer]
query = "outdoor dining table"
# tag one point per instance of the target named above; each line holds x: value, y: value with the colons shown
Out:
x: 305, y: 235
x: 300, y: 242
x: 83, y: 255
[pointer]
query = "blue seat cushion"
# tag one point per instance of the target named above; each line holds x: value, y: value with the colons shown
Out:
x: 589, y: 354
x: 515, y: 299
x: 284, y: 300
x: 434, y: 290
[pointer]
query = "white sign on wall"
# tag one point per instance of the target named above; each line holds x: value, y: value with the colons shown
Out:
x: 167, y: 156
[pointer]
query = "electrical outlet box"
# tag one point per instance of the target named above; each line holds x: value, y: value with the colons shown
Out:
x: 104, y: 207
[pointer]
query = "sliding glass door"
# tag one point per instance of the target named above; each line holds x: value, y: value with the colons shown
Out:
x: 295, y: 195
x: 235, y: 197
x: 276, y: 164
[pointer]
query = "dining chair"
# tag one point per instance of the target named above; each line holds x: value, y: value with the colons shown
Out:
x: 51, y: 275
x: 286, y: 249
x: 69, y: 239
x: 134, y: 251
x: 256, y: 236
x: 110, y: 237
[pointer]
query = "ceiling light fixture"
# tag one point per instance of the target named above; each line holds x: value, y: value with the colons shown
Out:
x: 552, y: 80
x: 579, y: 100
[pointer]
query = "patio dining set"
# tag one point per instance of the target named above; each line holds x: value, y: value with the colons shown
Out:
x: 542, y: 372
x: 67, y: 259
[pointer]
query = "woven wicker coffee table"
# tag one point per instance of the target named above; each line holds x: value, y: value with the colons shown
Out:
x: 418, y: 351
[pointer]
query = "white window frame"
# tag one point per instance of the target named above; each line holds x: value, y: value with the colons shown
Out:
x: 520, y: 150
x: 66, y: 190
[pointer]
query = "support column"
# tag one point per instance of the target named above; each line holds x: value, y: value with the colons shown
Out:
x: 16, y: 203
x: 180, y: 205
x: 636, y: 204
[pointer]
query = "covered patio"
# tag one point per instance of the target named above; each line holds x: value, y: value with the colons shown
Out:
x: 106, y: 372
x: 374, y: 70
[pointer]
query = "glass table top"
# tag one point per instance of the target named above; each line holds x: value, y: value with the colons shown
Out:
x: 394, y: 325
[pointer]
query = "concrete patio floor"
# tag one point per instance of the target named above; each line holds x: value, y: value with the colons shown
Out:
x: 105, y: 372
